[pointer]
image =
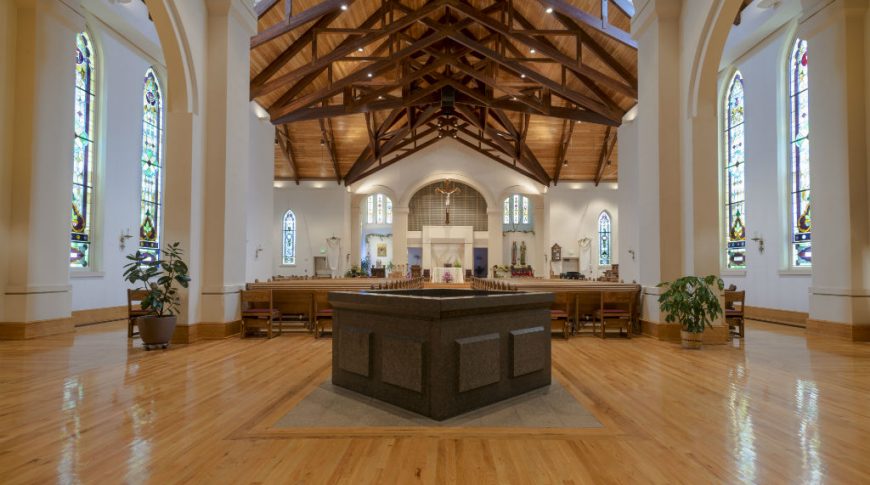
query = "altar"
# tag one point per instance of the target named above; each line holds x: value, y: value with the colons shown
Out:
x: 457, y: 275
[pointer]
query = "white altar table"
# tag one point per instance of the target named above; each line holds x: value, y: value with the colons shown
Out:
x: 458, y: 275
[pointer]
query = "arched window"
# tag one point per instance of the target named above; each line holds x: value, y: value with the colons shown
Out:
x: 379, y: 209
x: 516, y: 210
x: 150, y: 212
x: 83, y: 155
x: 799, y: 168
x: 289, y: 244
x: 604, y: 230
x: 735, y: 184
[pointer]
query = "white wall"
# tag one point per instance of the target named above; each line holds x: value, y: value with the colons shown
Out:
x: 765, y: 280
x: 259, y: 199
x: 322, y: 210
x: 573, y: 210
x: 628, y: 237
x: 121, y: 71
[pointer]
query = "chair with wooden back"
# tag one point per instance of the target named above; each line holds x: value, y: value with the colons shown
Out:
x: 135, y: 310
x: 322, y: 314
x: 616, y: 306
x: 560, y: 314
x: 258, y: 312
x: 734, y: 306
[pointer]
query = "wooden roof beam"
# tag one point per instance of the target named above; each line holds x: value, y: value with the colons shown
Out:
x: 600, y: 25
x: 564, y: 144
x: 329, y: 140
x: 318, y: 10
x: 287, y: 149
x: 606, y: 152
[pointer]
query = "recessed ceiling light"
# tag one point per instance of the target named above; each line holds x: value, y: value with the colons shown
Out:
x: 360, y: 49
x: 549, y: 10
x: 523, y: 76
x: 344, y: 7
x: 370, y: 74
x: 532, y: 51
x: 380, y: 97
x: 514, y: 98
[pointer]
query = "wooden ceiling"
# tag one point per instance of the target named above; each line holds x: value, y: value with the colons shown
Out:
x: 354, y: 86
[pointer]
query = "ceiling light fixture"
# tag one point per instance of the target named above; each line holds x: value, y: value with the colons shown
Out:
x: 370, y: 74
x: 549, y: 10
x: 523, y: 76
x: 344, y: 7
x: 360, y: 49
x: 532, y: 51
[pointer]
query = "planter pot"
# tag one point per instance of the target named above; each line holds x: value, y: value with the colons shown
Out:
x: 691, y: 340
x: 156, y: 331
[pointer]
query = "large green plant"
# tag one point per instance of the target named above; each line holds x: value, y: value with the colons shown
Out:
x: 692, y: 301
x: 160, y: 279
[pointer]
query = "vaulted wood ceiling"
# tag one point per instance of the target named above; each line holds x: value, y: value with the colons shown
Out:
x: 354, y: 86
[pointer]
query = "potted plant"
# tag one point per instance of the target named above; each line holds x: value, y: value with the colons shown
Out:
x: 694, y: 303
x: 161, y: 279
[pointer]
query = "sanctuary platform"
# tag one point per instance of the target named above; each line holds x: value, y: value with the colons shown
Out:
x: 441, y: 352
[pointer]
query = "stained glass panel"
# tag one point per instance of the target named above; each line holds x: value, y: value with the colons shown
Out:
x: 150, y: 208
x: 801, y: 212
x: 525, y: 210
x: 604, y: 251
x: 370, y: 206
x: 380, y: 208
x: 289, y: 243
x: 516, y: 215
x: 389, y: 211
x: 735, y: 170
x: 507, y: 210
x: 81, y: 236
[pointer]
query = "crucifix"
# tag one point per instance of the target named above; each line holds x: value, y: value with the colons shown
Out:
x: 447, y: 189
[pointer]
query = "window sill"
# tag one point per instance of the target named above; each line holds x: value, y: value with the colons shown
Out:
x: 796, y: 272
x: 86, y: 274
x: 733, y: 273
x: 288, y: 266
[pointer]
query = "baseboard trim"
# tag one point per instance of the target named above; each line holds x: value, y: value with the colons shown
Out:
x: 30, y: 330
x: 188, y: 334
x: 773, y: 315
x: 94, y: 316
x: 669, y: 332
x: 846, y: 331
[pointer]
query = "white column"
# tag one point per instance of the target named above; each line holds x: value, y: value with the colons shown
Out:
x: 230, y: 26
x: 356, y: 230
x: 840, y: 292
x: 400, y: 236
x: 38, y: 294
x: 495, y: 243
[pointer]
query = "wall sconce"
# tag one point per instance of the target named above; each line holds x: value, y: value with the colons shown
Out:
x: 122, y: 241
x: 632, y: 253
x: 258, y: 251
x: 760, y: 241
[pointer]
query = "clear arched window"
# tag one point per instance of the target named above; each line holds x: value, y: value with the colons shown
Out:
x: 799, y: 168
x: 379, y: 209
x: 735, y: 184
x: 289, y: 240
x: 516, y: 210
x: 150, y: 209
x: 604, y: 239
x: 81, y: 224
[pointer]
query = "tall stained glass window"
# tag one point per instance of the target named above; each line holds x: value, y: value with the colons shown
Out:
x: 379, y: 209
x: 604, y: 240
x: 81, y: 227
x: 289, y: 241
x: 517, y: 210
x: 735, y: 184
x: 150, y: 211
x: 800, y: 213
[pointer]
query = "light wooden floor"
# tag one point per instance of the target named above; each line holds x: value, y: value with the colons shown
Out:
x: 90, y: 408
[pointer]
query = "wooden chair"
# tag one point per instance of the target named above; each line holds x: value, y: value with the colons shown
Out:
x: 734, y: 305
x: 618, y: 306
x: 258, y: 312
x: 416, y: 271
x: 322, y: 315
x: 560, y: 313
x: 134, y: 310
x: 427, y: 275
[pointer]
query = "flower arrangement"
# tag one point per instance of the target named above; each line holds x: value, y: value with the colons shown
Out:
x: 448, y: 278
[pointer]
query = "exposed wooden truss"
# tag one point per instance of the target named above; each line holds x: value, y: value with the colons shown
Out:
x: 445, y: 69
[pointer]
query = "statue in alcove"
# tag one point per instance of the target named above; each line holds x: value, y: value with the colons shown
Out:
x: 522, y: 253
x: 514, y: 254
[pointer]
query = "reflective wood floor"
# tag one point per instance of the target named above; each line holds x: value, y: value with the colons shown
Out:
x: 90, y: 408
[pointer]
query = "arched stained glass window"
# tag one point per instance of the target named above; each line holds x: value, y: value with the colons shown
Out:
x: 379, y: 209
x: 735, y: 184
x: 81, y: 224
x: 604, y: 239
x: 150, y: 212
x: 517, y: 211
x: 801, y: 218
x: 289, y: 241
